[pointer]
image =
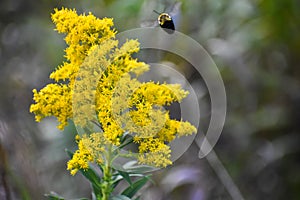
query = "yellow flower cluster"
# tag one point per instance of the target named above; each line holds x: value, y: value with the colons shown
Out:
x: 53, y: 100
x: 154, y: 153
x: 90, y: 149
x: 98, y: 85
x: 120, y: 64
x: 82, y: 32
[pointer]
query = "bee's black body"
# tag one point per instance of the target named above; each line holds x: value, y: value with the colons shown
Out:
x: 165, y: 21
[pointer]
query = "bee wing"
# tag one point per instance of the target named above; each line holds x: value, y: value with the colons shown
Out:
x: 149, y: 23
x: 175, y: 10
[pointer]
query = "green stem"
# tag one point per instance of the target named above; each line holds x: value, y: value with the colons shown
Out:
x: 106, y: 185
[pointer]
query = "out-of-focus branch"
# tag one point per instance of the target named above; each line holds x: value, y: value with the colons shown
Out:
x: 3, y: 175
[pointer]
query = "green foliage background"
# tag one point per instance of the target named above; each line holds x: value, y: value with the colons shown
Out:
x: 256, y: 45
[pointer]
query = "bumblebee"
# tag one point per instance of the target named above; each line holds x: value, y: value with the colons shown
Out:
x: 165, y: 20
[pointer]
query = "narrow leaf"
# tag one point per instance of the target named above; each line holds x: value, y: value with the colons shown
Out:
x: 125, y: 142
x: 136, y: 186
x: 120, y: 197
x: 134, y: 167
x: 139, y: 169
x: 54, y: 196
x: 126, y: 176
x: 116, y: 179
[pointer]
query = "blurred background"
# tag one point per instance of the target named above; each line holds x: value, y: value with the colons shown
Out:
x: 256, y: 46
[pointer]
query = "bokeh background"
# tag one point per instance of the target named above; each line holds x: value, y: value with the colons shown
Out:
x: 256, y: 45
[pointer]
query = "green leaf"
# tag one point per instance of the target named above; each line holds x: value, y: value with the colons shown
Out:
x: 125, y: 142
x: 133, y: 167
x: 117, y: 178
x: 120, y: 197
x: 135, y: 187
x: 126, y: 176
x: 124, y: 136
x: 54, y: 196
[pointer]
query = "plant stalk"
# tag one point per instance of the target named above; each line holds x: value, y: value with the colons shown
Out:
x: 106, y: 186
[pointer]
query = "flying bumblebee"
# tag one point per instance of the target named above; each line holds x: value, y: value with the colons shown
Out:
x: 164, y: 19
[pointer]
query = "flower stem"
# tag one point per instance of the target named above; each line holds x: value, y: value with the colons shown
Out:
x: 106, y: 185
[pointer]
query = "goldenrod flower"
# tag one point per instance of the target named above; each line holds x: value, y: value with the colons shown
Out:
x: 90, y: 149
x: 53, y: 100
x: 82, y: 32
x: 98, y: 83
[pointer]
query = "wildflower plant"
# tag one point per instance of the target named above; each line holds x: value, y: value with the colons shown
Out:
x: 97, y: 87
